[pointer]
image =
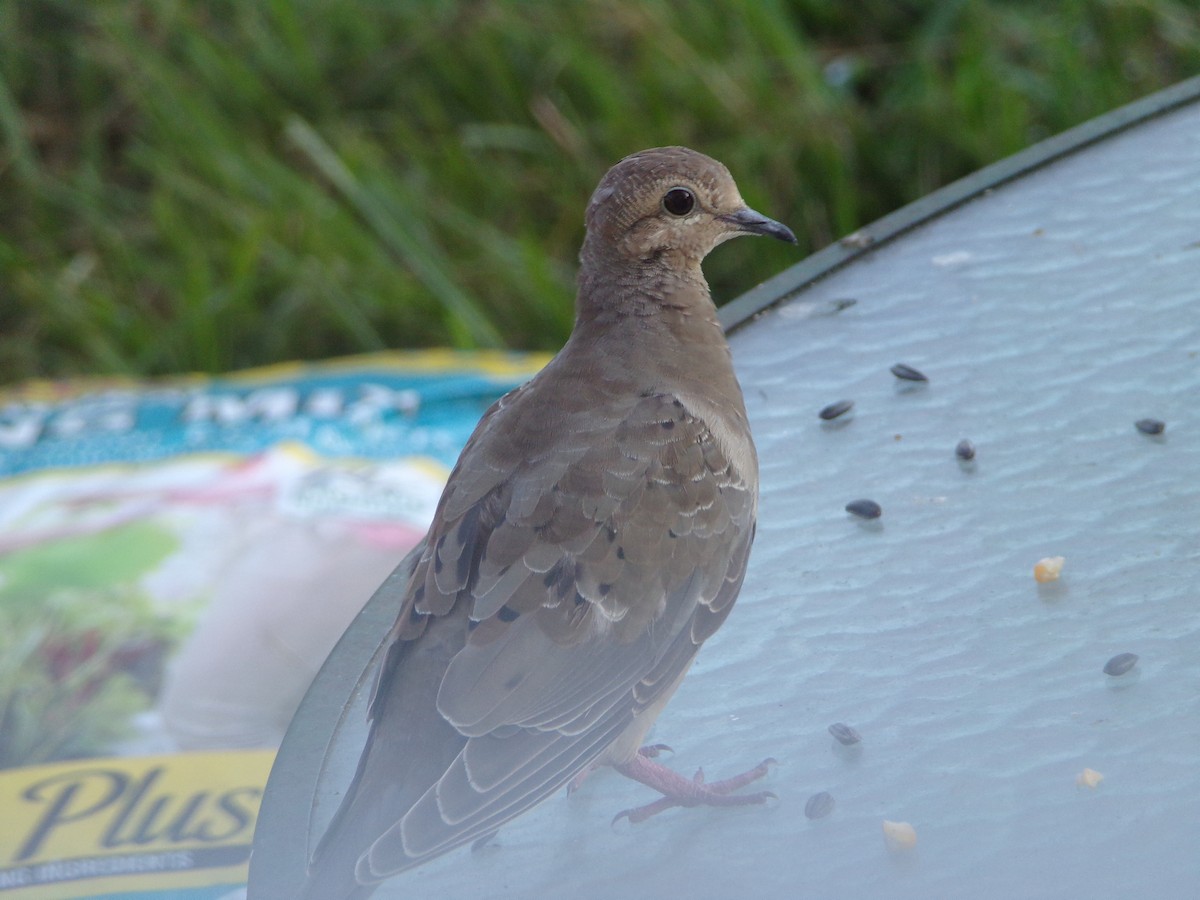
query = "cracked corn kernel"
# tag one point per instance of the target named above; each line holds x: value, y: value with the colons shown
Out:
x: 1048, y: 569
x: 899, y: 835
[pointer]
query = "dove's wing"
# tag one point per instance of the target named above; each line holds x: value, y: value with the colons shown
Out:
x: 558, y: 596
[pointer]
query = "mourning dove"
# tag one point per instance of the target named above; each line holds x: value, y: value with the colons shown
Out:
x: 593, y: 534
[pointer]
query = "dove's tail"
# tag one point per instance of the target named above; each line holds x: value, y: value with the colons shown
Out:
x: 332, y: 873
x: 376, y: 800
x: 408, y: 749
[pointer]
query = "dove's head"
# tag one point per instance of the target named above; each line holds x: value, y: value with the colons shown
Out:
x: 672, y: 205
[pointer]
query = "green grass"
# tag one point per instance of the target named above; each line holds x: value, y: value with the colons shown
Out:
x: 192, y: 185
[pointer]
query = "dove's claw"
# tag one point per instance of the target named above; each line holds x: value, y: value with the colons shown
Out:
x: 642, y: 813
x: 574, y: 783
x: 680, y: 791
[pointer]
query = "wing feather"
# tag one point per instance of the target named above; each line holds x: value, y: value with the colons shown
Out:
x: 585, y: 578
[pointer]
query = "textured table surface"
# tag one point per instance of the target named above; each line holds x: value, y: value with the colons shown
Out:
x: 1049, y: 314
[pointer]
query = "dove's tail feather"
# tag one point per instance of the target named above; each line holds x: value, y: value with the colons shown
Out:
x: 408, y: 749
x: 390, y: 779
x: 325, y: 884
x: 332, y: 873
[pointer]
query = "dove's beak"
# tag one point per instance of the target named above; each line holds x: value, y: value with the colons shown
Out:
x: 751, y: 222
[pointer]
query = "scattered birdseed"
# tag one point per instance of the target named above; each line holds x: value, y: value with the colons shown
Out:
x: 907, y: 373
x: 857, y: 240
x: 1048, y: 569
x: 819, y: 805
x: 865, y: 509
x: 1120, y: 664
x: 1150, y: 426
x: 965, y: 450
x: 899, y: 835
x: 845, y: 734
x: 956, y: 258
x: 1088, y: 778
x: 833, y: 410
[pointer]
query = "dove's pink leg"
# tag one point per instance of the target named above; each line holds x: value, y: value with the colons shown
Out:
x: 679, y: 791
x: 648, y: 750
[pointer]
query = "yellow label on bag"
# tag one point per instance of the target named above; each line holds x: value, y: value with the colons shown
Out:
x: 132, y: 824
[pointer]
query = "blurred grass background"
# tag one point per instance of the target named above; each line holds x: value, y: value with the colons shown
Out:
x: 201, y: 186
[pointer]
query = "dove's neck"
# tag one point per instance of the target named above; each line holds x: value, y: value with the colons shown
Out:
x: 651, y: 308
x: 660, y: 328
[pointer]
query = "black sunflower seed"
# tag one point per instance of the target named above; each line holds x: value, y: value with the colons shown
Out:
x: 844, y: 734
x: 1120, y: 664
x: 965, y: 450
x: 907, y: 373
x: 819, y: 805
x: 865, y: 509
x: 833, y: 410
x: 1150, y: 426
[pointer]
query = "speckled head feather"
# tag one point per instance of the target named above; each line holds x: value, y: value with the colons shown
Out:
x: 621, y: 197
x: 628, y: 214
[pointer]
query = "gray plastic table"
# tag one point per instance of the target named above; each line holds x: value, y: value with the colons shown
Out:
x: 1052, y: 300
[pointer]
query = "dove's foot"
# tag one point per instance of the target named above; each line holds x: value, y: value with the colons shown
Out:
x: 650, y: 750
x: 679, y: 791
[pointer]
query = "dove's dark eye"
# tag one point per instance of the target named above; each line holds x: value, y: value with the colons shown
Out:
x: 678, y: 201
